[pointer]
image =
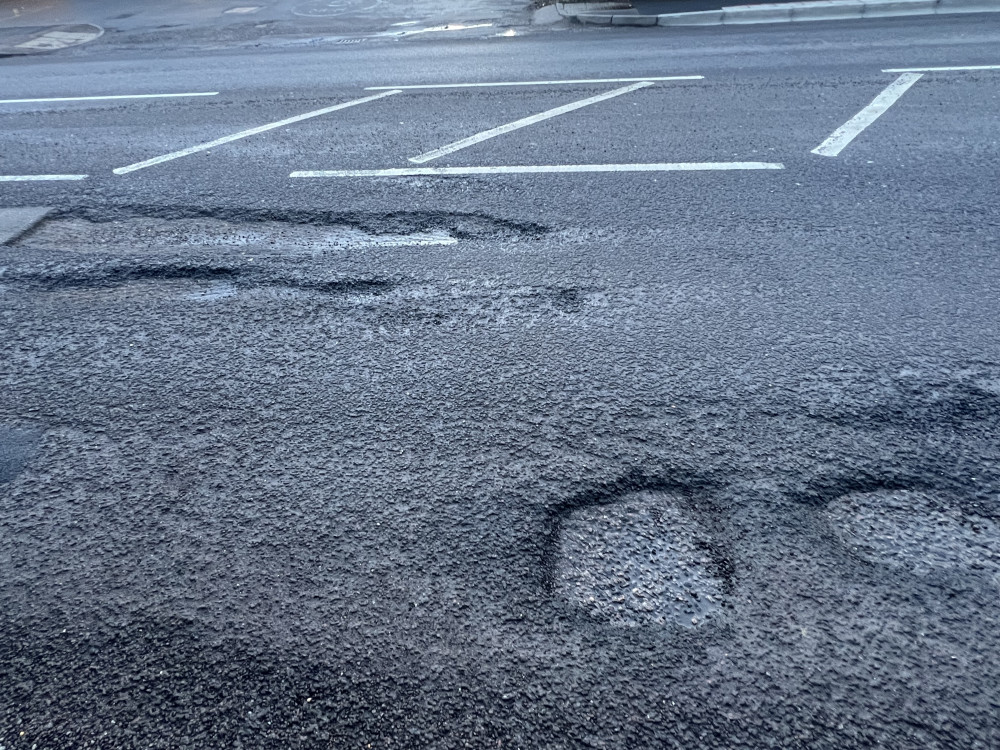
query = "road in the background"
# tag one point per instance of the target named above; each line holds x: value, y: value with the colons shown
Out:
x: 646, y: 396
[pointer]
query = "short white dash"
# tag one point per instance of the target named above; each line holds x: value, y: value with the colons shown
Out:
x: 525, y: 122
x: 842, y: 136
x: 534, y: 83
x: 711, y: 166
x: 102, y: 98
x: 247, y: 133
x: 942, y: 70
x: 40, y: 177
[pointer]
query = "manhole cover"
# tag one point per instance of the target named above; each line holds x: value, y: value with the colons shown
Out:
x: 640, y: 561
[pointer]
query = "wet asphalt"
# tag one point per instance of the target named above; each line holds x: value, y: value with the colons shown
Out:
x: 517, y: 461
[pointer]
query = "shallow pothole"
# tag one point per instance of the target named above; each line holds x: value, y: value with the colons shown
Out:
x: 916, y: 532
x: 639, y: 561
x: 152, y: 234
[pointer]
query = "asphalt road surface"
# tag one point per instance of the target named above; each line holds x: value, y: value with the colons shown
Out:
x: 688, y: 440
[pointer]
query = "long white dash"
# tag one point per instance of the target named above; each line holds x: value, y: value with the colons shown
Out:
x: 534, y: 83
x: 40, y: 177
x: 525, y: 122
x: 246, y: 133
x: 710, y: 166
x: 936, y: 70
x: 102, y: 98
x: 842, y: 136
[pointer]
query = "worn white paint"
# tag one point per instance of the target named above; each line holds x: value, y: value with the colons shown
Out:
x: 842, y: 136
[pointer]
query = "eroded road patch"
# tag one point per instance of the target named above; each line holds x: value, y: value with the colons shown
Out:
x: 639, y: 561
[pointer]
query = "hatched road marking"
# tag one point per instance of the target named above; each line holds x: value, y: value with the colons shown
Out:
x: 842, y: 136
x: 533, y: 83
x: 936, y: 70
x: 246, y: 133
x: 710, y: 166
x: 40, y: 177
x: 525, y: 122
x: 100, y: 98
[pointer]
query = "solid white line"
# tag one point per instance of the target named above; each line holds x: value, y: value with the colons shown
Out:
x: 41, y: 177
x: 533, y: 83
x: 99, y: 98
x: 525, y: 122
x: 842, y: 136
x: 246, y: 133
x: 934, y: 70
x: 709, y: 166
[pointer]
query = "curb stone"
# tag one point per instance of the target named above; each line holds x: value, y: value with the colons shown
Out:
x: 615, y: 14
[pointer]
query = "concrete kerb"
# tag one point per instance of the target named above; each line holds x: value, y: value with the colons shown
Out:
x: 616, y: 14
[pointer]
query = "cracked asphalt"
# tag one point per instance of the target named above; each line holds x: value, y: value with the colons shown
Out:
x: 620, y: 460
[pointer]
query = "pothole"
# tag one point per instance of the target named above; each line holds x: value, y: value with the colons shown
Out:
x: 152, y: 234
x: 189, y: 282
x: 915, y: 531
x: 640, y: 561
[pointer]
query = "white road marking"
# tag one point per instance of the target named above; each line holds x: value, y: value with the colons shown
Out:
x: 247, y: 133
x: 40, y: 177
x: 100, y: 98
x: 533, y: 83
x: 842, y: 136
x: 709, y: 166
x: 935, y: 70
x: 525, y: 122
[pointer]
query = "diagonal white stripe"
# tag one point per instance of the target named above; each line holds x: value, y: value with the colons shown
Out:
x: 246, y: 133
x: 842, y: 136
x: 525, y: 122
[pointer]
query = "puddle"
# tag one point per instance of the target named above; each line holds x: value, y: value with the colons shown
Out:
x: 152, y: 234
x: 916, y: 532
x: 636, y: 562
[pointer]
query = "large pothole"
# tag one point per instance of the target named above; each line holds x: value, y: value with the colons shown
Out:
x: 916, y: 531
x: 639, y: 561
x: 152, y: 234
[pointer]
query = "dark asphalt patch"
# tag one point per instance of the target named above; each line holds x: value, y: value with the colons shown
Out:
x: 17, y: 446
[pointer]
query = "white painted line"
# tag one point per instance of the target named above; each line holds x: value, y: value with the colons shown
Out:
x: 525, y: 122
x: 247, y: 133
x: 709, y: 166
x: 936, y: 70
x: 533, y: 83
x: 101, y: 98
x: 40, y: 177
x: 842, y: 136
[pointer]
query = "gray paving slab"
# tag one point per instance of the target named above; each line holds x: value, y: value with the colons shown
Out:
x: 16, y: 221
